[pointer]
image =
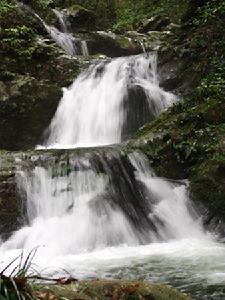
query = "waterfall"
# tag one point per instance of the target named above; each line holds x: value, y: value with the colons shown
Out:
x: 143, y: 46
x: 90, y: 208
x: 61, y: 19
x: 172, y: 212
x: 97, y: 108
x: 65, y: 39
x: 105, y: 214
x: 72, y: 45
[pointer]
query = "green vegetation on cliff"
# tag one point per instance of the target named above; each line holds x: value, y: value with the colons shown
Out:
x: 188, y: 139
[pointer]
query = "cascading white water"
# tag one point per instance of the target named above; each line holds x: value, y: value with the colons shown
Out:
x: 67, y: 207
x: 92, y: 110
x: 65, y: 39
x: 73, y: 46
x: 61, y: 19
x: 82, y: 222
x: 170, y: 211
x: 81, y: 215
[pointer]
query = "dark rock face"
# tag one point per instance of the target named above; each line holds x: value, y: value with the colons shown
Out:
x: 9, y: 207
x: 80, y: 18
x: 137, y: 110
x: 11, y: 216
x: 22, y: 112
x: 169, y: 75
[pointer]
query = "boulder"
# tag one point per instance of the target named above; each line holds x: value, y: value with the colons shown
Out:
x: 106, y: 289
x: 157, y: 23
x: 112, y: 45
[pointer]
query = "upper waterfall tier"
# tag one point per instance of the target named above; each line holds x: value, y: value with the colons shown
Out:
x: 108, y: 102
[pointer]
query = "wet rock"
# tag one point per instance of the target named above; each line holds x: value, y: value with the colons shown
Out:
x: 169, y: 76
x: 121, y: 290
x: 138, y: 111
x: 9, y: 208
x: 112, y: 45
x: 157, y: 23
x: 131, y: 43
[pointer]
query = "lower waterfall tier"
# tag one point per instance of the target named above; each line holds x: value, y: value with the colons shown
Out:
x: 104, y: 214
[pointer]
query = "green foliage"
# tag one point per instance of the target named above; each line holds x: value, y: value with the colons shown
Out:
x: 213, y: 84
x: 15, y: 286
x: 39, y: 4
x: 209, y: 12
x: 5, y: 7
x: 202, y: 39
x: 129, y: 13
x: 16, y: 37
x: 18, y: 40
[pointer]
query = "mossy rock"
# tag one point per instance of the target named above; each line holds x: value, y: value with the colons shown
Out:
x: 105, y: 290
x: 112, y: 45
